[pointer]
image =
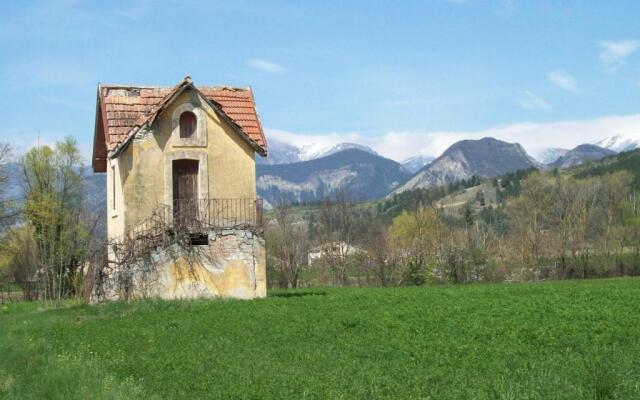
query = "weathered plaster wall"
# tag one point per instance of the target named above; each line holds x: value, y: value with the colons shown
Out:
x: 234, y: 262
x: 233, y: 265
x: 115, y: 200
x: 141, y: 167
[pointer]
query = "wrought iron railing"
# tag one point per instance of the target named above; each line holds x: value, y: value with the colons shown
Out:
x: 195, y: 215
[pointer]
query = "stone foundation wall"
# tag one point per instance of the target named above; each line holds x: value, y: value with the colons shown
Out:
x: 232, y: 265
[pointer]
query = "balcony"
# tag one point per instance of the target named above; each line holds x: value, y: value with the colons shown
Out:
x: 202, y: 214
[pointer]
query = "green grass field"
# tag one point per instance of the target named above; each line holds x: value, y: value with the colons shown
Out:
x: 559, y: 340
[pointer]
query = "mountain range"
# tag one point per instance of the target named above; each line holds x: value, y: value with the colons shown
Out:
x: 580, y: 155
x: 487, y: 157
x: 565, y: 158
x: 619, y: 143
x: 312, y: 173
x: 549, y: 155
x: 360, y: 174
x: 416, y: 163
x: 285, y: 153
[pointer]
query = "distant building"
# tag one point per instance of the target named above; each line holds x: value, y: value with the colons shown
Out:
x: 332, y: 249
x: 182, y: 158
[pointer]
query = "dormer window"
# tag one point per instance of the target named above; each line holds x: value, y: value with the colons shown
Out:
x: 188, y: 123
x: 189, y: 126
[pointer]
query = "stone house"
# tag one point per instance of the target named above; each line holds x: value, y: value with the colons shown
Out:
x: 180, y: 160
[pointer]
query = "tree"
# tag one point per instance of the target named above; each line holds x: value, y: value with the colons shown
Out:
x: 341, y: 224
x: 288, y: 247
x: 416, y: 240
x: 615, y: 190
x: 630, y: 216
x: 53, y: 208
x: 480, y: 198
x: 378, y: 258
x: 18, y: 258
x: 529, y: 216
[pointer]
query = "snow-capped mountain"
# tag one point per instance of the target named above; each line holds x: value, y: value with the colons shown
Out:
x: 285, y: 153
x: 336, y: 149
x: 415, y: 163
x: 279, y: 153
x: 549, y: 155
x: 620, y: 143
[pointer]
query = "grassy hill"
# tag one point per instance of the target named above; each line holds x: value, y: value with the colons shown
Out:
x: 483, y: 195
x: 570, y: 340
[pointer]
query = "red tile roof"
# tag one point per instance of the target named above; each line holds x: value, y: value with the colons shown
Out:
x: 122, y: 109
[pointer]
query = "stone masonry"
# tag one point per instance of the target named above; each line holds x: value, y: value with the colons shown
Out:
x: 232, y: 264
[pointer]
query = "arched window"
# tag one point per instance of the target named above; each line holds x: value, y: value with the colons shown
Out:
x: 188, y: 124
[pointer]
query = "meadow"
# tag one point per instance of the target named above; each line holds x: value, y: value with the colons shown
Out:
x: 549, y: 340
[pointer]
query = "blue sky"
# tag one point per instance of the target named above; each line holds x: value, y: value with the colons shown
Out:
x: 403, y: 78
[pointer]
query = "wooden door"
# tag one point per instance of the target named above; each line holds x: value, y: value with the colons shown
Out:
x: 185, y: 192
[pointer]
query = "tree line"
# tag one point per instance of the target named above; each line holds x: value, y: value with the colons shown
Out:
x: 546, y: 225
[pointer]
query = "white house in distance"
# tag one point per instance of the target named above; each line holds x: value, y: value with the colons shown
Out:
x: 332, y: 249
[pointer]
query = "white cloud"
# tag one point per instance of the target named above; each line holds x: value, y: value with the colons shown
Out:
x: 535, y: 137
x: 562, y: 79
x: 614, y: 53
x: 531, y: 101
x: 265, y: 65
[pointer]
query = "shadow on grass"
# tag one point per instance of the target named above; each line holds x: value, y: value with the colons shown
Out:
x: 298, y: 294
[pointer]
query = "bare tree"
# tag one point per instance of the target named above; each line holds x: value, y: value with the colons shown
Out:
x: 529, y: 216
x: 378, y: 255
x: 341, y: 223
x: 615, y: 190
x: 288, y: 247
